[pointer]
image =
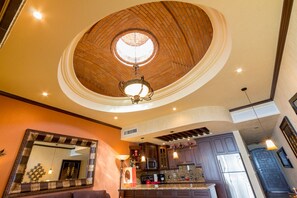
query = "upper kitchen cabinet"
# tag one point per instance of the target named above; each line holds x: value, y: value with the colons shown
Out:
x: 163, y: 159
x: 135, y: 152
x: 149, y: 150
x: 172, y: 163
x: 224, y: 144
x: 188, y: 155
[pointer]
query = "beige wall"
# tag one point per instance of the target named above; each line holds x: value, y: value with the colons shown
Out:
x: 286, y: 88
x: 17, y: 116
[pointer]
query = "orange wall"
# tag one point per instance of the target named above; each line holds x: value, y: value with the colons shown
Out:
x: 17, y: 116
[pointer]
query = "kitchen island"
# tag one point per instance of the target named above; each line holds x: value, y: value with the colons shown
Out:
x: 202, y: 190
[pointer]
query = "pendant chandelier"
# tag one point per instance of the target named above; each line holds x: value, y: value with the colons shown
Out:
x: 135, y: 49
x: 269, y: 143
x: 137, y: 89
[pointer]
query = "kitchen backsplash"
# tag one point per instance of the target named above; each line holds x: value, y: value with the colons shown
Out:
x: 184, y: 173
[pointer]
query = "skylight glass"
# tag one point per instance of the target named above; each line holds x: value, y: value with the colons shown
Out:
x: 134, y: 48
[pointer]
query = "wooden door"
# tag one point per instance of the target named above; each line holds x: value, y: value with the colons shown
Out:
x: 269, y: 172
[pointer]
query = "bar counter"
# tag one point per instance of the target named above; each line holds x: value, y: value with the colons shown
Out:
x: 195, y: 186
x: 169, y: 190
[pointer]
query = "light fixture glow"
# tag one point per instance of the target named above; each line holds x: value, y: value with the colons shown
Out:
x: 50, y: 171
x: 175, y: 155
x: 239, y: 70
x: 122, y: 157
x: 115, y: 117
x: 174, y: 108
x: 136, y: 89
x: 142, y: 158
x: 44, y: 94
x: 37, y: 15
x: 270, y: 145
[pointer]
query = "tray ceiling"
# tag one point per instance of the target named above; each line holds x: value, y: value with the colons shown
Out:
x: 182, y: 31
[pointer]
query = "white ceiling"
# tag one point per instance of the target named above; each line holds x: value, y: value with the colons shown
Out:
x: 30, y: 56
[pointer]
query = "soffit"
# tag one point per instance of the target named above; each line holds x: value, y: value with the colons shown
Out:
x: 183, y: 32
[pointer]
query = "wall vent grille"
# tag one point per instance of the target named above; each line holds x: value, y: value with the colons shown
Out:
x: 131, y: 131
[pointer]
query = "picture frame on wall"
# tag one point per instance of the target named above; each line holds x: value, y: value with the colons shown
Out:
x: 293, y: 102
x: 290, y: 134
x: 283, y: 158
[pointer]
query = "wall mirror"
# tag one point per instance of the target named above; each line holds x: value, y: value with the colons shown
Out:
x: 49, y: 162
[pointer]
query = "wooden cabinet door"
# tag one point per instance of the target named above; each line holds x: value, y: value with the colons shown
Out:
x: 172, y: 162
x: 196, y: 156
x: 210, y: 167
x: 163, y: 159
x: 224, y: 144
x: 201, y: 194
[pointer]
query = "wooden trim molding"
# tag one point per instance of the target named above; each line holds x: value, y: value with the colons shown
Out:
x: 285, y: 20
x: 55, y: 109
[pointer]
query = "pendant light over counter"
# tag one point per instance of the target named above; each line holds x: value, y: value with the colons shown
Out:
x: 269, y: 143
x: 142, y: 159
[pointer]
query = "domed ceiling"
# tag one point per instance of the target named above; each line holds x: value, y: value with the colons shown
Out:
x: 181, y: 34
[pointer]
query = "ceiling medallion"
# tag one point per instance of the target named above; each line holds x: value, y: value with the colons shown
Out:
x: 135, y: 48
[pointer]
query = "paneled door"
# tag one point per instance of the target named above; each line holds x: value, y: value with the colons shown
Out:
x: 269, y: 172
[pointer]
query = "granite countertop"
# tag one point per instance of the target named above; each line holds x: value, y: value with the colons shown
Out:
x: 194, y: 186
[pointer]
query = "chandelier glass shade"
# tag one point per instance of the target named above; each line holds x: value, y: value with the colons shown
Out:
x: 137, y: 89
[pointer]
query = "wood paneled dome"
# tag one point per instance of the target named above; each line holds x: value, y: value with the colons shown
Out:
x: 183, y: 33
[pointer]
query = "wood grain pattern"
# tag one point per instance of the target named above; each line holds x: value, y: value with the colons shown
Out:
x: 183, y: 32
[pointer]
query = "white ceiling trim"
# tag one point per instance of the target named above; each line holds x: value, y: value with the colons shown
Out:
x: 212, y: 62
x: 180, y: 121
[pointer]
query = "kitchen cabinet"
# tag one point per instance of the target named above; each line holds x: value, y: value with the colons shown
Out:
x: 166, y: 193
x: 149, y: 150
x: 172, y: 163
x: 163, y: 158
x: 224, y: 144
x: 185, y: 156
x: 197, y: 155
x: 209, y: 148
x: 135, y: 152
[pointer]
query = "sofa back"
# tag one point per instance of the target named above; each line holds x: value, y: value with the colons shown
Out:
x: 79, y: 194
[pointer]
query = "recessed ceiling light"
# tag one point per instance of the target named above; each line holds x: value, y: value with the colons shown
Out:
x: 37, y: 15
x: 44, y: 94
x: 174, y: 108
x: 239, y: 70
x: 115, y: 117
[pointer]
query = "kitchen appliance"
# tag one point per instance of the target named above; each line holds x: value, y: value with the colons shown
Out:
x: 151, y: 164
x: 161, y: 178
x: 146, y: 178
x: 236, y: 179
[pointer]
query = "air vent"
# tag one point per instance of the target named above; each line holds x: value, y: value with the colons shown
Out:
x: 131, y: 131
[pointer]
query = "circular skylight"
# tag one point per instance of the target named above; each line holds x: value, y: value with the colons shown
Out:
x: 134, y: 47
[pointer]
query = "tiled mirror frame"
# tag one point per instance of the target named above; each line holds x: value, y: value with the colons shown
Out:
x: 15, y: 188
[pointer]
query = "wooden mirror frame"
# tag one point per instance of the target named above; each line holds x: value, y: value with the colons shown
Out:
x: 15, y: 188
